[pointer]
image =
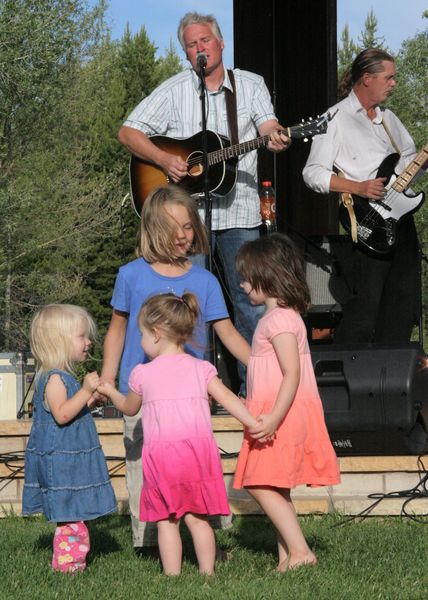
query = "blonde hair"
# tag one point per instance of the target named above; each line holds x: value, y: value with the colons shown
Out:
x: 51, y: 332
x: 156, y: 236
x: 194, y: 18
x: 176, y: 317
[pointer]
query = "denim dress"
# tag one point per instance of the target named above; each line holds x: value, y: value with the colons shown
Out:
x: 66, y: 476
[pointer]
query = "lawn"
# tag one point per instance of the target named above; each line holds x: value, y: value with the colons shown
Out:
x: 370, y: 559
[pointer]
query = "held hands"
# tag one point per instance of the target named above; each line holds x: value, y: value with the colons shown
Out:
x: 374, y: 189
x: 267, y: 424
x: 91, y: 382
x: 105, y: 389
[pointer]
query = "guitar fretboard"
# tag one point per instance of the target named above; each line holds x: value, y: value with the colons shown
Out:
x: 236, y: 149
x: 406, y: 177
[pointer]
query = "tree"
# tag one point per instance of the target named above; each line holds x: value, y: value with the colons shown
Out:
x: 347, y: 49
x: 47, y: 205
x: 368, y: 37
x: 346, y: 52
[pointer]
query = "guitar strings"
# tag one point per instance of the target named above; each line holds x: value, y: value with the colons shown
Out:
x: 370, y: 218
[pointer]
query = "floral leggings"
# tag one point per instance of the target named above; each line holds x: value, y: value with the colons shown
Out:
x: 70, y: 547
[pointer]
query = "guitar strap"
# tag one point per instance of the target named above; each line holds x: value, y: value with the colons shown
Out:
x: 348, y: 203
x: 232, y: 114
x: 388, y: 131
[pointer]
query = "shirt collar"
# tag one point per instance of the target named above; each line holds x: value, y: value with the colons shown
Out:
x: 226, y: 81
x: 357, y: 107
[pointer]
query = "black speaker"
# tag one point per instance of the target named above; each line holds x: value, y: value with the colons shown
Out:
x: 375, y: 398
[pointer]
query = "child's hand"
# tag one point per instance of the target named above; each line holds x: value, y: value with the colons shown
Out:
x: 91, y: 382
x: 267, y: 425
x: 105, y: 388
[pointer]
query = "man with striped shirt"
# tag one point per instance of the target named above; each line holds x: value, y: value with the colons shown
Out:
x: 174, y: 109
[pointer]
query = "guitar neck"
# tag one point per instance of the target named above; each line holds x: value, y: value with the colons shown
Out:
x: 237, y: 149
x: 406, y: 177
x: 302, y: 130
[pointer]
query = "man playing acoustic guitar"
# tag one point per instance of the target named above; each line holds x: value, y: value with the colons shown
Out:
x: 346, y: 159
x: 174, y: 109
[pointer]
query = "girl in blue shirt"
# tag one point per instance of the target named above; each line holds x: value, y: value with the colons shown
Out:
x: 170, y: 231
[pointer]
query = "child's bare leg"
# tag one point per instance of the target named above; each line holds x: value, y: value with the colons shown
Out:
x: 203, y: 541
x: 282, y: 549
x: 278, y: 506
x: 170, y: 546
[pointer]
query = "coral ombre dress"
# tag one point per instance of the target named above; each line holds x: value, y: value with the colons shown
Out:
x: 301, y: 452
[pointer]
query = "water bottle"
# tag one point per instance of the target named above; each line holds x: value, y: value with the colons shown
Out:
x: 267, y: 208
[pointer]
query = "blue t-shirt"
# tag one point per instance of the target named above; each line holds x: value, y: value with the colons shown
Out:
x: 137, y: 281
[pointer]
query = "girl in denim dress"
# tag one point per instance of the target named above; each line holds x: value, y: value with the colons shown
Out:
x: 66, y: 476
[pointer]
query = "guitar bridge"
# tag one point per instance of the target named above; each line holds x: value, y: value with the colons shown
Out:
x: 363, y: 232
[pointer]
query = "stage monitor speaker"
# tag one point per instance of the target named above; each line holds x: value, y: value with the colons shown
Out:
x: 375, y: 398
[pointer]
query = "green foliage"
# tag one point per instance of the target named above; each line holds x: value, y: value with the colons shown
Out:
x: 368, y: 37
x: 346, y: 52
x: 347, y: 49
x: 66, y: 87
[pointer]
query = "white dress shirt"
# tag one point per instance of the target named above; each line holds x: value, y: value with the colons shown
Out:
x: 355, y: 145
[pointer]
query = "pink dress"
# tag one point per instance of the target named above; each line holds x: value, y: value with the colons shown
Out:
x: 182, y: 470
x: 301, y: 452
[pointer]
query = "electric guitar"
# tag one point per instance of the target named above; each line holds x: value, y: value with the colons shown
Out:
x: 377, y: 220
x: 222, y: 160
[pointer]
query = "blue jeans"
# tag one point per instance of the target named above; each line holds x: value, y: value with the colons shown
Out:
x: 227, y: 243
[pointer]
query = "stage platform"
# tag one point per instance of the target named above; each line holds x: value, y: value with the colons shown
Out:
x: 361, y: 475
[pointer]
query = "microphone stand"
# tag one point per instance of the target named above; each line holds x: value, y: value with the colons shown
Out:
x: 205, y: 166
x: 201, y: 60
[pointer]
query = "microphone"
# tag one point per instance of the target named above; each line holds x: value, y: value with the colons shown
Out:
x: 201, y: 60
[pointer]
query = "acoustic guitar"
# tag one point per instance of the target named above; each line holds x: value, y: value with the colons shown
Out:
x: 222, y: 160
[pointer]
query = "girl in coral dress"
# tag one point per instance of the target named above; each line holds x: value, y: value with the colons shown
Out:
x: 282, y: 394
x: 182, y: 473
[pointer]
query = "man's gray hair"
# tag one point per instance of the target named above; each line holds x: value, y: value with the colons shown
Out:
x: 194, y: 18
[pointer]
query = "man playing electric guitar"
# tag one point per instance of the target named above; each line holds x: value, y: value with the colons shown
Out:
x: 386, y: 288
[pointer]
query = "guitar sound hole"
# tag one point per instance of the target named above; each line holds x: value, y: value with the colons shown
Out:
x: 194, y: 161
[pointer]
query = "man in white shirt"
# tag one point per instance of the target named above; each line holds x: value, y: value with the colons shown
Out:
x: 386, y: 289
x: 174, y: 109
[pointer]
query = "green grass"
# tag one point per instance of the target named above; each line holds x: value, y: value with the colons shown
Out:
x: 371, y: 559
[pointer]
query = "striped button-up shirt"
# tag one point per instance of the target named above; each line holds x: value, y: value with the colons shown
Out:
x: 174, y: 109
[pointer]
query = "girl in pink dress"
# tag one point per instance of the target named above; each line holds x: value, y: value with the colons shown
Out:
x: 282, y: 394
x: 182, y: 470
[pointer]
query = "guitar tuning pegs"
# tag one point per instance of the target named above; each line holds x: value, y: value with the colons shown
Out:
x: 305, y: 139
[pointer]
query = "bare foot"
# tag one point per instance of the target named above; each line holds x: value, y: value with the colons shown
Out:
x: 295, y: 562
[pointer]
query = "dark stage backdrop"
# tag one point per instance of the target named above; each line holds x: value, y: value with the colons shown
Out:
x: 292, y: 44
